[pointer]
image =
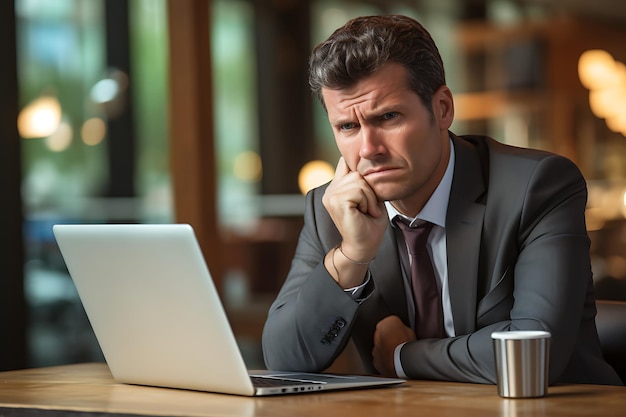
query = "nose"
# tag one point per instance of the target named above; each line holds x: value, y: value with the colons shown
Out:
x: 371, y: 143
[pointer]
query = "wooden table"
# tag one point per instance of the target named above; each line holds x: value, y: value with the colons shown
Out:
x: 89, y: 389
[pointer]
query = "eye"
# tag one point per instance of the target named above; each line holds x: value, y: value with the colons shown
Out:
x: 390, y: 115
x: 347, y: 126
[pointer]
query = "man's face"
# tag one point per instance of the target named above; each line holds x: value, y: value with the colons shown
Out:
x: 385, y: 132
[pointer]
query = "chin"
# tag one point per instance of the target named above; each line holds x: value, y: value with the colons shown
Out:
x: 388, y: 195
x: 392, y: 191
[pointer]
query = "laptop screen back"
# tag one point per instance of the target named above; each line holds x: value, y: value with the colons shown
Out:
x: 153, y: 306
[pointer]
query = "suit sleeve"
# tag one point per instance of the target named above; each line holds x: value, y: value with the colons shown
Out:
x: 546, y: 285
x: 309, y: 323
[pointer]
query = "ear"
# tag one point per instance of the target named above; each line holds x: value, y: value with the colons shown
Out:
x: 443, y: 107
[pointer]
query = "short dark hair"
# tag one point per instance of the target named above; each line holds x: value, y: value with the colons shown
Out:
x: 364, y: 44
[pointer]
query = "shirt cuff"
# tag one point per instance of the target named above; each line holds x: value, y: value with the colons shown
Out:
x: 397, y: 364
x: 356, y: 292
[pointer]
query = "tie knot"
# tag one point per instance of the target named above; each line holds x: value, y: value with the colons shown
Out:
x: 415, y: 237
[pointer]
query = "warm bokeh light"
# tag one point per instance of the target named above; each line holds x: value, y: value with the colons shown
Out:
x: 313, y: 174
x: 93, y: 131
x: 606, y: 80
x: 248, y: 166
x: 617, y: 123
x: 597, y: 103
x: 596, y: 69
x: 40, y: 118
x: 61, y: 139
x: 607, y: 103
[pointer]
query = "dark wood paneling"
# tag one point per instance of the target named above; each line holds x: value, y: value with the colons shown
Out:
x: 12, y: 302
x: 192, y: 150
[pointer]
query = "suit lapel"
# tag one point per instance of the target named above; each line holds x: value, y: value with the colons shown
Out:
x: 464, y: 221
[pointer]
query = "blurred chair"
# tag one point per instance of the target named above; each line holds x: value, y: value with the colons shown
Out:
x: 611, y: 323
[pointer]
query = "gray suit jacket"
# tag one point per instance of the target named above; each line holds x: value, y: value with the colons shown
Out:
x: 518, y: 258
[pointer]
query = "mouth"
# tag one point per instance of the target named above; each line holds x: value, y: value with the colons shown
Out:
x: 377, y: 172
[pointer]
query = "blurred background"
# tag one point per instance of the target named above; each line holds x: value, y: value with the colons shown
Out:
x: 161, y: 111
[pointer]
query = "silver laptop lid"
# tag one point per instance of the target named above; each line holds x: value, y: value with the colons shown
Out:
x: 153, y: 306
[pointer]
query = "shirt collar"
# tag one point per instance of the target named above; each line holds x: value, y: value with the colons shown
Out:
x: 434, y: 211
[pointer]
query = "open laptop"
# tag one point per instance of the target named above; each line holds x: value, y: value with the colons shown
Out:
x: 158, y: 318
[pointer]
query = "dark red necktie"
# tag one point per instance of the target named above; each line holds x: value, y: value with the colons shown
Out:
x: 428, y: 309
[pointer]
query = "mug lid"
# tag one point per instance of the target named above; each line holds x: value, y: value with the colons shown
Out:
x: 520, y: 334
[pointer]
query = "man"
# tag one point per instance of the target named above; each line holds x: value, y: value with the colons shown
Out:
x: 509, y: 248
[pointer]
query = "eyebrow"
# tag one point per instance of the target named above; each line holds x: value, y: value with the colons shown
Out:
x: 342, y: 121
x: 376, y: 113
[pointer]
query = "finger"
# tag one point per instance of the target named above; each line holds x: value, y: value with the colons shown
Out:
x: 374, y: 207
x: 369, y: 203
x: 342, y: 168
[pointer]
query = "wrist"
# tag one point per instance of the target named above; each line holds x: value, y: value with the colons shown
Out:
x: 346, y: 273
x: 351, y: 259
